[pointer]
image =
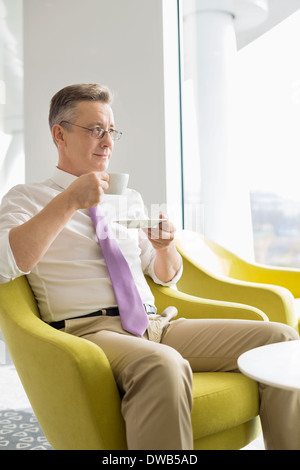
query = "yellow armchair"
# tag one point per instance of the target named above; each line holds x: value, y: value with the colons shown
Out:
x: 70, y: 385
x: 212, y: 272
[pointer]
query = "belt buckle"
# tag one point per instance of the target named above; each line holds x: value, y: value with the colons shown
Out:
x: 103, y: 312
x: 149, y: 309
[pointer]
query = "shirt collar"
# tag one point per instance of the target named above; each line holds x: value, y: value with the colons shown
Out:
x: 62, y: 178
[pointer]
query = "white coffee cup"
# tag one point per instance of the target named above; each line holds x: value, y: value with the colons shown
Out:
x: 117, y: 183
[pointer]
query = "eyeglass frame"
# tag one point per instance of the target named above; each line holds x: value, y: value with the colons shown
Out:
x: 102, y: 132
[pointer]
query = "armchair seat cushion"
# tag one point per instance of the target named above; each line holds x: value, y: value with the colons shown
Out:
x: 216, y: 395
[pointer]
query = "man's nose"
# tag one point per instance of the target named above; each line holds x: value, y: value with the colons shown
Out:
x: 106, y: 140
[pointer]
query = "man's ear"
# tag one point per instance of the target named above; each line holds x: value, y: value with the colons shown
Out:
x: 58, y: 134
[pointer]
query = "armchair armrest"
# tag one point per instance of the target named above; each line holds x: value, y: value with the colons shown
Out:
x: 190, y: 306
x: 275, y: 301
x: 284, y: 277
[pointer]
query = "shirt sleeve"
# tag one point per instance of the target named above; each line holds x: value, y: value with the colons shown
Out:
x: 8, y: 266
x: 11, y: 215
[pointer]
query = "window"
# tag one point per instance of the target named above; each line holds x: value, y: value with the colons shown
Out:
x: 268, y: 140
x: 265, y: 131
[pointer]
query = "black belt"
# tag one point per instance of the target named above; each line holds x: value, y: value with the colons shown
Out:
x: 110, y: 312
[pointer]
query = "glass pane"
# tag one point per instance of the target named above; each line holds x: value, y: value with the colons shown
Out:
x: 191, y: 169
x: 266, y: 147
x: 268, y: 140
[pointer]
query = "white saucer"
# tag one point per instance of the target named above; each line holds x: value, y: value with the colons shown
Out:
x: 140, y: 223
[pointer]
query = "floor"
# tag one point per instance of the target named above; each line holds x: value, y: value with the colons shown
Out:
x: 13, y: 397
x: 258, y: 444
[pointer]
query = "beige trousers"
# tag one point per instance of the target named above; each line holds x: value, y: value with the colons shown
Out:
x: 155, y: 378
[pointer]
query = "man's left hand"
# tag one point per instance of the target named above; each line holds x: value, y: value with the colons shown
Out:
x: 162, y: 235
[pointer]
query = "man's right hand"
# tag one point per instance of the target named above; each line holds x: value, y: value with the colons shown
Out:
x: 87, y: 190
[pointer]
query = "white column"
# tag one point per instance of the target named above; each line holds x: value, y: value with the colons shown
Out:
x: 210, y: 54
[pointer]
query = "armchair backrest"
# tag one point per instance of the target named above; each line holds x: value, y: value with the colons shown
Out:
x: 16, y: 291
x: 207, y: 254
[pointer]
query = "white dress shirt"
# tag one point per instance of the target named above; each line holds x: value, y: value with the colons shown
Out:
x: 72, y: 279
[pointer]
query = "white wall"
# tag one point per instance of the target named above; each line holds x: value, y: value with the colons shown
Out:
x: 118, y: 43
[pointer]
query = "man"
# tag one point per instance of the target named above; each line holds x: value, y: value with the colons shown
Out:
x: 46, y: 232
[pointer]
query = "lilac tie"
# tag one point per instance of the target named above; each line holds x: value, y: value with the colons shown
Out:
x: 132, y: 311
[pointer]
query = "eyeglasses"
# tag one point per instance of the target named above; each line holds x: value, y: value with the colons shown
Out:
x: 98, y: 132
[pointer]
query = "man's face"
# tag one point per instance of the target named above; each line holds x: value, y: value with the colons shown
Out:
x: 81, y: 153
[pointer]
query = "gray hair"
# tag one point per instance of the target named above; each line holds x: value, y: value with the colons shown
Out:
x: 64, y: 103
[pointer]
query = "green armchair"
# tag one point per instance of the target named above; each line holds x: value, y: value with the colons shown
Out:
x: 70, y: 385
x: 212, y: 272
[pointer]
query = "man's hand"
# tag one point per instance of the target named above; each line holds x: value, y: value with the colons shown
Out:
x: 87, y: 190
x: 163, y: 235
x: 167, y: 260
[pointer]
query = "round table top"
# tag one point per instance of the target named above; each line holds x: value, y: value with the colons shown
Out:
x: 275, y: 364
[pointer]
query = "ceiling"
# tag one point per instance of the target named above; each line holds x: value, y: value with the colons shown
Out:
x: 278, y: 11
